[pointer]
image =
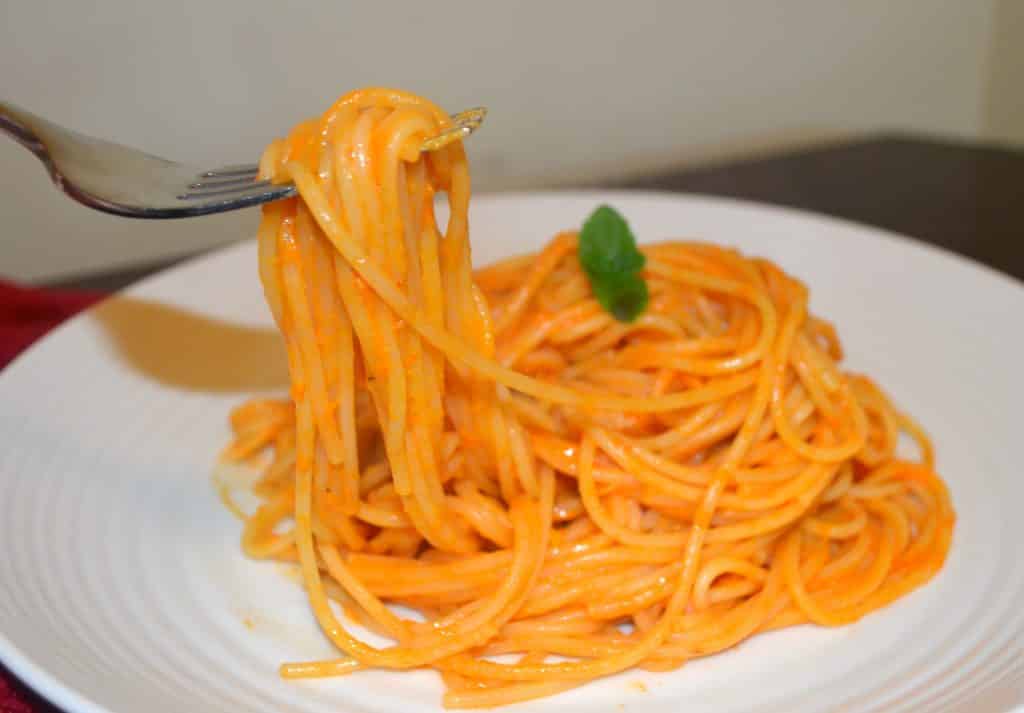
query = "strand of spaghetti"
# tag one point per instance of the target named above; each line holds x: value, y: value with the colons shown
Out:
x: 781, y: 420
x: 302, y: 319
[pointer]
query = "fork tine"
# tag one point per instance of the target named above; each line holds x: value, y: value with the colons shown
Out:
x: 235, y: 170
x: 229, y: 191
x: 207, y: 183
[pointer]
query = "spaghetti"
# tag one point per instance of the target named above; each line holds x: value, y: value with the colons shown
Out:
x: 535, y: 478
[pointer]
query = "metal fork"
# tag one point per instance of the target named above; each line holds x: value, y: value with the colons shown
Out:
x: 121, y: 180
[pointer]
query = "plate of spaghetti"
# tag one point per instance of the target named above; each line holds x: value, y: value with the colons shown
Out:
x: 617, y: 451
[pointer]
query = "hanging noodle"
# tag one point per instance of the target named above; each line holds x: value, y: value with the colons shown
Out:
x: 534, y: 477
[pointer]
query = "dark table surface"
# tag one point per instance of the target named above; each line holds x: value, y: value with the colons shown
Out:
x: 965, y: 197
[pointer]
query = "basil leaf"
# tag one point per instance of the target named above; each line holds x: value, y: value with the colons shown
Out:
x: 625, y: 298
x: 607, y: 245
x: 610, y: 258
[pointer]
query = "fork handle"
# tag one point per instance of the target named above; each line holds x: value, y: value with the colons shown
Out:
x: 19, y: 125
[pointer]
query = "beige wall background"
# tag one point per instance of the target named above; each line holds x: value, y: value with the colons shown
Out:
x: 1004, y: 90
x: 578, y: 90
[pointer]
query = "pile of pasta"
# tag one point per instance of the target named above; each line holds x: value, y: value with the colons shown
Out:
x: 558, y: 494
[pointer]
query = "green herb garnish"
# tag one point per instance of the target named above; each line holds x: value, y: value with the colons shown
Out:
x: 608, y: 253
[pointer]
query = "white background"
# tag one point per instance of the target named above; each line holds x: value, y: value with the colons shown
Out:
x: 578, y: 91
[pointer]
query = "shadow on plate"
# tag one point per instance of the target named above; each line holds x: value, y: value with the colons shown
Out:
x: 191, y: 351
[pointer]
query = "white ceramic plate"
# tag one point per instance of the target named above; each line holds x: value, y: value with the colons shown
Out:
x: 123, y: 590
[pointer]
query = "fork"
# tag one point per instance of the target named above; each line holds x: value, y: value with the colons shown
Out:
x: 124, y: 181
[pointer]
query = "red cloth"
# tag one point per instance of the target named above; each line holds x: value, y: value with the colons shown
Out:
x: 16, y: 698
x: 26, y: 314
